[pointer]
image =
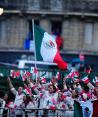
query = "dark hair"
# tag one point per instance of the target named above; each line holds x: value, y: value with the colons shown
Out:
x: 54, y: 88
x: 86, y: 88
x: 29, y: 98
x: 86, y: 109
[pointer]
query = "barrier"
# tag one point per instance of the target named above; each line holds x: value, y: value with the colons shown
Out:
x: 36, y: 112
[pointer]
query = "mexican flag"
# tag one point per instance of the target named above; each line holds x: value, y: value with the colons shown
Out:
x: 95, y: 80
x: 27, y: 90
x: 43, y: 78
x: 86, y: 109
x: 23, y: 75
x: 70, y: 74
x: 46, y: 48
x: 85, y: 78
x: 76, y: 76
x: 14, y: 74
x: 57, y: 75
x: 34, y: 70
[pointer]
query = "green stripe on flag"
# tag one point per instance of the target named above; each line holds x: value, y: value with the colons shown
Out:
x: 44, y: 74
x: 39, y: 33
x: 77, y: 110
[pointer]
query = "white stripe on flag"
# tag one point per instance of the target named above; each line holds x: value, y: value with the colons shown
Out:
x: 48, y: 48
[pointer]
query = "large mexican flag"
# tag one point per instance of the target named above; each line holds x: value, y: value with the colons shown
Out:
x: 46, y: 48
x: 86, y: 109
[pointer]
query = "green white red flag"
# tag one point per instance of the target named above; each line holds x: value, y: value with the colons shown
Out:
x: 46, y: 48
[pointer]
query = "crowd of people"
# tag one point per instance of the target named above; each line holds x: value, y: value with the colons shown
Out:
x: 52, y: 98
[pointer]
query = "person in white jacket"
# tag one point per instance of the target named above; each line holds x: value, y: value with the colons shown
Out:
x: 30, y: 107
x: 3, y: 103
x: 50, y: 100
x: 18, y: 97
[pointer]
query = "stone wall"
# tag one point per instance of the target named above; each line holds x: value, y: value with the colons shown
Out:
x: 14, y: 31
x: 72, y: 34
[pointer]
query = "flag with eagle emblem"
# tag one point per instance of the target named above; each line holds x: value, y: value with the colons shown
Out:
x: 46, y: 48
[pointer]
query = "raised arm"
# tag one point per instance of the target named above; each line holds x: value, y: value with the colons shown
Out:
x: 33, y: 86
x: 11, y: 86
x: 10, y: 83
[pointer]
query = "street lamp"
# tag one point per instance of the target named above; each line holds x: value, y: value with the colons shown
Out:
x: 1, y: 11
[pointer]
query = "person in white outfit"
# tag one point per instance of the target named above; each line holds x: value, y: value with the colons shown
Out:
x: 2, y: 104
x: 50, y: 101
x: 30, y: 107
x: 18, y: 97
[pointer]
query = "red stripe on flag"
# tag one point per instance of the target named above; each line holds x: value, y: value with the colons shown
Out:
x: 28, y: 74
x: 35, y: 70
x: 86, y: 81
x: 95, y: 109
x: 60, y: 62
x: 17, y: 73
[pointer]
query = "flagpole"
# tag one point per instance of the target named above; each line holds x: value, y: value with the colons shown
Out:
x: 34, y: 47
x: 34, y: 41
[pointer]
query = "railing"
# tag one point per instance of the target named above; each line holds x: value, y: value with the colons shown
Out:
x: 52, y: 5
x: 37, y: 112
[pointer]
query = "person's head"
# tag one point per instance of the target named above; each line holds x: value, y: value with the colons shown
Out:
x: 74, y: 94
x: 88, y: 69
x: 51, y: 88
x: 20, y: 89
x: 5, y: 96
x: 24, y: 98
x: 25, y: 85
x: 84, y: 96
x: 60, y: 95
x: 29, y: 85
x: 74, y: 85
x: 85, y: 88
x: 29, y: 98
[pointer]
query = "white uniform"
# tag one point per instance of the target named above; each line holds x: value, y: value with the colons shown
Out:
x: 18, y: 98
x: 2, y: 102
x: 31, y: 105
x: 18, y: 101
x: 50, y: 100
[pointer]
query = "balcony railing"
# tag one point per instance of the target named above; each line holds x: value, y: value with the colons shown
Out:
x: 36, y: 112
x: 51, y: 5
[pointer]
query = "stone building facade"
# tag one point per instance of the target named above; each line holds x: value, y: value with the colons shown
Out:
x: 77, y: 21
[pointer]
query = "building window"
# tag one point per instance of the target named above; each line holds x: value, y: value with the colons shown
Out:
x: 88, y: 33
x: 56, y: 33
x: 33, y: 4
x: 56, y: 5
x: 56, y: 27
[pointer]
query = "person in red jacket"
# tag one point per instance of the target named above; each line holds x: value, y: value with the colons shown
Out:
x: 58, y: 38
x: 59, y: 41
